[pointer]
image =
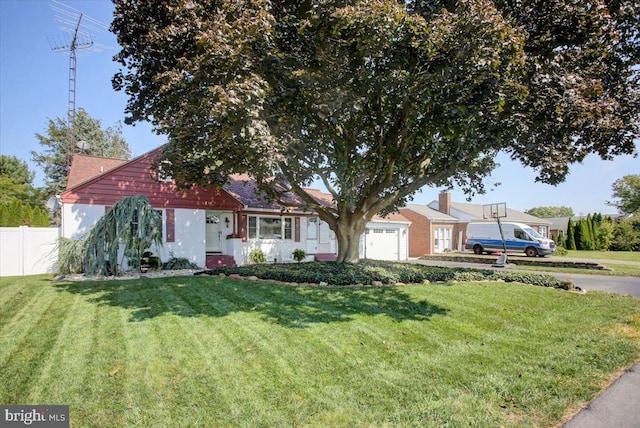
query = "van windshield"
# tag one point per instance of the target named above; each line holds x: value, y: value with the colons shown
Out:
x: 533, y: 233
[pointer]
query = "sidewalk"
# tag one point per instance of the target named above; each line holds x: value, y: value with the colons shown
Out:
x: 617, y: 407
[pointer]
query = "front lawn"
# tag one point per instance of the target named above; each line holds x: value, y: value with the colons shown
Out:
x: 626, y: 256
x: 208, y: 351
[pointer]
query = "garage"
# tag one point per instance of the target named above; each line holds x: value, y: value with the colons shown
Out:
x: 386, y: 239
x: 382, y: 244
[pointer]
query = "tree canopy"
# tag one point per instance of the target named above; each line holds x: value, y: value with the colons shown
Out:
x: 378, y: 98
x: 550, y: 212
x: 626, y: 193
x: 16, y: 181
x: 56, y: 155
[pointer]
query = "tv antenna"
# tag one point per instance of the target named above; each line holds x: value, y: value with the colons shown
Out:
x: 78, y: 31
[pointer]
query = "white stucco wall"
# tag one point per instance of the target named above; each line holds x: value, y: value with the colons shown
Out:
x: 190, y: 240
x: 77, y: 219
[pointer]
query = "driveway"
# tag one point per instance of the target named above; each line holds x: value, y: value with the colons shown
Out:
x: 613, y: 284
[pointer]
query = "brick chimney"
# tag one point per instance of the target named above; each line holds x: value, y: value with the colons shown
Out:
x: 444, y: 203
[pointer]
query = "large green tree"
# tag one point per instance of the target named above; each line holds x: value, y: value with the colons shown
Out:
x: 626, y: 191
x: 378, y: 98
x: 86, y: 136
x: 16, y: 181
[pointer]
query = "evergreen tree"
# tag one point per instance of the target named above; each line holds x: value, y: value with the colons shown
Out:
x: 59, y: 145
x: 561, y: 241
x: 4, y: 214
x: 593, y: 236
x: 40, y: 218
x: 577, y: 235
x: 17, y: 213
x: 583, y: 235
x: 16, y: 181
x: 27, y: 214
x: 14, y: 218
x: 571, y: 242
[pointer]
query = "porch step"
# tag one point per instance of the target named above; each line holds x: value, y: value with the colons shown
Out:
x: 220, y: 260
x: 325, y: 257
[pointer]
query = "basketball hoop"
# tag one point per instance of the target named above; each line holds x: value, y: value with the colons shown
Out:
x: 497, y: 211
x: 494, y: 211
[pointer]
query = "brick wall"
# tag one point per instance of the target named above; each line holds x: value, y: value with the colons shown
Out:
x: 419, y: 233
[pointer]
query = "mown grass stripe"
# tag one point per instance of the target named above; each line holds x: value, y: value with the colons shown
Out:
x: 63, y: 371
x: 24, y: 358
x: 103, y: 376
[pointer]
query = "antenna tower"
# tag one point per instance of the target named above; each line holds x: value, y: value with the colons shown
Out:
x: 72, y: 48
x: 79, y: 29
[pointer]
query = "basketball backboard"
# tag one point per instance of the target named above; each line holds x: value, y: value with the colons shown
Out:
x: 498, y: 210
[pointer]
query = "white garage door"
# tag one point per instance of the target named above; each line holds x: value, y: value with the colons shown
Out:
x: 382, y: 244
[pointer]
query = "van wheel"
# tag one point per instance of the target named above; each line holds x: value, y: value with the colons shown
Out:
x: 477, y: 249
x: 531, y: 252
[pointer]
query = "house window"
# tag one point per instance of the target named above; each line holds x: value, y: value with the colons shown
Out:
x: 260, y: 227
x: 270, y: 228
x: 288, y: 228
x: 134, y: 223
x: 312, y: 229
x: 253, y: 227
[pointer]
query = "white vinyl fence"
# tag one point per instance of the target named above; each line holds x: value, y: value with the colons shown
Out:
x: 28, y: 250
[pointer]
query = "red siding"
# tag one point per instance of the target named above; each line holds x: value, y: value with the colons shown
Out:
x: 135, y: 178
x: 243, y: 227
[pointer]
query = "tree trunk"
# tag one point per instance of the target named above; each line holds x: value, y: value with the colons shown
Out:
x: 348, y: 233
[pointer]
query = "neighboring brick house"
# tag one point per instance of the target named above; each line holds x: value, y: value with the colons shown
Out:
x: 431, y: 230
x: 441, y: 225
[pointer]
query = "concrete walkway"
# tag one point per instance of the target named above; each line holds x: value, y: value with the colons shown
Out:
x: 617, y: 407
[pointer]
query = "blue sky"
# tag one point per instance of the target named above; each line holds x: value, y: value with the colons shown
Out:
x: 34, y: 87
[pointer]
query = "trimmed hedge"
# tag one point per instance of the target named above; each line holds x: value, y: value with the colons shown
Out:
x: 368, y: 271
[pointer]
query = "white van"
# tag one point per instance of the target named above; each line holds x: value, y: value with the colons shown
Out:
x: 518, y: 237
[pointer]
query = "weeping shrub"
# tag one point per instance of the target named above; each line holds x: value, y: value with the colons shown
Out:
x: 131, y: 224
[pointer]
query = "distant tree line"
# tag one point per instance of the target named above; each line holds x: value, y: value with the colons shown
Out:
x: 601, y: 233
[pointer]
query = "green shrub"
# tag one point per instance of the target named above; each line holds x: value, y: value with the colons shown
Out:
x: 256, y: 256
x: 179, y: 263
x: 150, y: 261
x: 70, y: 256
x: 367, y: 271
x: 299, y: 254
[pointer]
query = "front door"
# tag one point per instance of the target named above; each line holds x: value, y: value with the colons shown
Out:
x: 442, y: 239
x: 213, y: 232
